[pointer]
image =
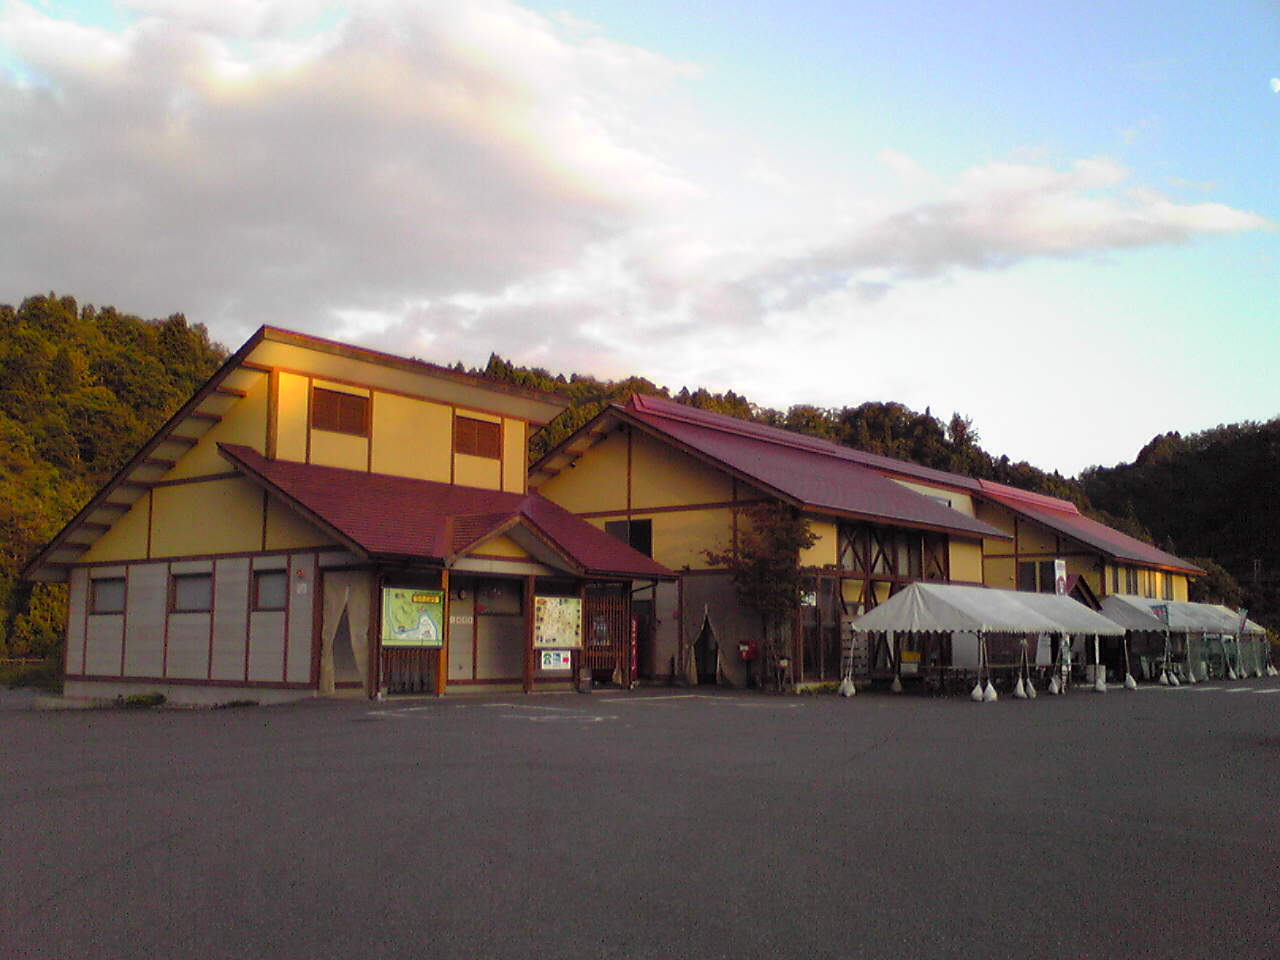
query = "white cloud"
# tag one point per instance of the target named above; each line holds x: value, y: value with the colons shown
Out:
x: 453, y: 178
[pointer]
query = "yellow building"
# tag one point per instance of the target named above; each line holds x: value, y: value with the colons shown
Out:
x: 1038, y: 529
x: 321, y: 519
x: 675, y: 482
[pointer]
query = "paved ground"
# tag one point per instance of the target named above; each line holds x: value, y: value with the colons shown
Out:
x: 649, y: 825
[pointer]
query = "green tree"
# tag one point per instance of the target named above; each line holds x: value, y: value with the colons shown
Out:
x: 765, y: 564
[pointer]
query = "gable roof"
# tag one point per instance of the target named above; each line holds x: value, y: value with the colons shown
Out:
x: 813, y: 474
x: 1065, y: 517
x: 398, y: 518
x: 205, y: 409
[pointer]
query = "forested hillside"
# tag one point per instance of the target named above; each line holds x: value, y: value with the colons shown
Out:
x: 1210, y: 494
x: 82, y: 388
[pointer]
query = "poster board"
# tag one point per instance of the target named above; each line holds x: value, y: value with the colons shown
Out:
x: 557, y: 622
x: 555, y: 661
x: 412, y: 617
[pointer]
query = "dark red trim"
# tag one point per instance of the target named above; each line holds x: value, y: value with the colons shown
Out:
x: 681, y: 508
x: 191, y: 682
x: 187, y: 481
x: 187, y: 558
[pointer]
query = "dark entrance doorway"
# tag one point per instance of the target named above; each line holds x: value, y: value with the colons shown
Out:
x: 706, y: 653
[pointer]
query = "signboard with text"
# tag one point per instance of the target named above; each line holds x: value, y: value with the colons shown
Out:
x: 557, y: 622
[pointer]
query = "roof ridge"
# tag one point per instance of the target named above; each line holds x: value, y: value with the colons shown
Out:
x: 725, y: 423
x: 1044, y: 500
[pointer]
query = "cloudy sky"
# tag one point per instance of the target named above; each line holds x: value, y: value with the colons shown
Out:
x: 1060, y: 220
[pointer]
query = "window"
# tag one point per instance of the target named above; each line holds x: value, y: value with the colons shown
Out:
x: 270, y: 589
x: 1027, y: 576
x: 477, y: 438
x: 106, y: 595
x: 1166, y: 592
x: 339, y: 412
x: 1047, y: 579
x: 191, y: 593
x: 1115, y: 579
x: 1037, y: 576
x: 1131, y: 580
x: 885, y: 552
x: 637, y: 534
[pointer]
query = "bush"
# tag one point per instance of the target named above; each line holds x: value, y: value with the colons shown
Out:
x: 43, y: 675
x: 140, y: 701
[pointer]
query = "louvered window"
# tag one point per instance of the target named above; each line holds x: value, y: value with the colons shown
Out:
x: 477, y: 438
x: 339, y: 412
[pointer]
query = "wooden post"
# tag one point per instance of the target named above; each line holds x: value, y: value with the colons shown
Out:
x: 528, y: 633
x: 442, y: 656
x: 375, y: 636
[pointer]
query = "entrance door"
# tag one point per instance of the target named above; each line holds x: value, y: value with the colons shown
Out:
x: 344, y: 632
x: 486, y: 630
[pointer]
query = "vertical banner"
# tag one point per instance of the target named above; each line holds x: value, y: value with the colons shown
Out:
x: 1060, y: 577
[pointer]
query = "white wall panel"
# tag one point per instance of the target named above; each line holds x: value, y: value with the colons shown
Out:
x: 77, y: 598
x: 105, y: 635
x: 188, y: 646
x: 230, y: 618
x: 266, y: 646
x: 144, y: 626
x: 302, y: 596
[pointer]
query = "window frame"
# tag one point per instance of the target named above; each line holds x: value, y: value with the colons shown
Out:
x: 174, y: 578
x: 256, y: 604
x: 94, y: 609
x: 341, y: 413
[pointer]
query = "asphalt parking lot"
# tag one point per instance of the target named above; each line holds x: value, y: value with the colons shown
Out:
x: 655, y: 823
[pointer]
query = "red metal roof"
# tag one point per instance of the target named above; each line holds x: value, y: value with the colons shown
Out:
x: 815, y: 473
x: 397, y: 517
x: 718, y: 421
x: 1064, y: 517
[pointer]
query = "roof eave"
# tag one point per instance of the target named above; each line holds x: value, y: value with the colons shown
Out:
x: 30, y: 570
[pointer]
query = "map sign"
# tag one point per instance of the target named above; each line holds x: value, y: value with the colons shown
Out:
x: 412, y: 618
x: 557, y: 622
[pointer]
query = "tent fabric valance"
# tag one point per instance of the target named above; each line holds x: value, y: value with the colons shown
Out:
x: 930, y: 607
x: 1184, y: 616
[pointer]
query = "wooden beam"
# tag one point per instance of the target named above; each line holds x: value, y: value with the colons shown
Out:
x: 160, y: 462
x: 175, y: 438
x: 114, y: 505
x: 229, y: 391
x: 94, y: 526
x: 138, y: 484
x: 207, y: 417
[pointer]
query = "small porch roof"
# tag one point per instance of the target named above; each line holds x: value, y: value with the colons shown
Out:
x: 931, y: 607
x: 402, y: 519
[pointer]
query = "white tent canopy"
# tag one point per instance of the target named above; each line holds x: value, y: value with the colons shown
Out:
x: 1184, y: 617
x: 936, y: 607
